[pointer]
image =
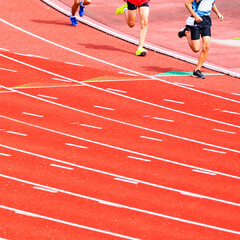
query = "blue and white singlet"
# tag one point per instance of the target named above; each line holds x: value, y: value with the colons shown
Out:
x: 202, y: 7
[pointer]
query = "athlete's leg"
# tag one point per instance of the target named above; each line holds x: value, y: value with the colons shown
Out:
x: 75, y: 7
x: 194, y: 44
x: 205, y: 48
x: 130, y: 17
x: 87, y: 2
x: 144, y: 14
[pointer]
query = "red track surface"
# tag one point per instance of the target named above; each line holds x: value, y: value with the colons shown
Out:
x: 126, y: 156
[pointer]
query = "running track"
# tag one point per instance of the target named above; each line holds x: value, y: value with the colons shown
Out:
x: 94, y: 146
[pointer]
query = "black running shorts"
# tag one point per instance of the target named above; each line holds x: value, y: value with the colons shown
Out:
x: 202, y: 28
x: 133, y: 7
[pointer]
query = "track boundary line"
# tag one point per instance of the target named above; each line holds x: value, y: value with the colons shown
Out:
x: 108, y: 91
x: 114, y: 65
x: 148, y: 46
x: 112, y: 204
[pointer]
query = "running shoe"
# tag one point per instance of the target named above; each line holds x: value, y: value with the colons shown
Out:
x: 121, y: 9
x: 182, y: 33
x: 73, y: 20
x: 81, y: 9
x: 141, y: 51
x: 198, y: 74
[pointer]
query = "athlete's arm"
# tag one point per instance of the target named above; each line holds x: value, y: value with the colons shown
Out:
x: 214, y: 8
x: 188, y: 5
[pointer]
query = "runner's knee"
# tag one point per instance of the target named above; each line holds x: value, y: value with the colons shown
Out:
x: 131, y: 24
x: 77, y: 2
x: 144, y: 23
x: 195, y: 49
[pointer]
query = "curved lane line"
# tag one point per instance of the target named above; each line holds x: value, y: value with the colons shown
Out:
x: 149, y: 46
x: 114, y: 65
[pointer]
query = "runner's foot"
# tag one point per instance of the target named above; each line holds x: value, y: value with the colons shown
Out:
x: 81, y: 9
x: 182, y: 33
x: 141, y: 51
x: 73, y: 20
x: 198, y: 74
x: 121, y: 9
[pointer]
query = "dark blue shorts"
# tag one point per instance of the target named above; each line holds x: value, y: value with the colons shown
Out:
x: 202, y: 28
x: 133, y: 7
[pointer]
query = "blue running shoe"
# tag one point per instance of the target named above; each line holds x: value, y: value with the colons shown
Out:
x: 82, y: 9
x: 73, y: 20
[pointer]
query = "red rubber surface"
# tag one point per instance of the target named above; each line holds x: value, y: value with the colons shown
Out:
x: 124, y: 156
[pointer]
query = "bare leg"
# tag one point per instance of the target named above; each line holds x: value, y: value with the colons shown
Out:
x: 193, y: 44
x: 76, y: 5
x: 130, y: 17
x: 144, y: 14
x: 203, y: 55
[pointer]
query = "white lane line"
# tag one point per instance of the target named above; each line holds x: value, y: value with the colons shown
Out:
x: 32, y: 114
x: 212, y: 150
x: 133, y: 208
x: 129, y: 74
x: 60, y: 79
x: 45, y: 189
x: 110, y: 204
x: 9, y: 70
x: 75, y: 64
x: 204, y: 172
x: 108, y: 63
x: 90, y: 126
x: 141, y: 159
x: 184, y: 84
x: 116, y: 90
x: 106, y: 108
x: 118, y: 148
x: 4, y: 49
x: 125, y: 180
x: 173, y: 101
x: 120, y: 176
x: 5, y: 154
x: 45, y: 96
x: 30, y: 55
x: 224, y: 131
x: 150, y: 138
x: 226, y: 111
x: 29, y: 214
x: 17, y: 133
x: 74, y: 145
x: 237, y: 94
x: 118, y: 94
x: 191, y: 194
x: 163, y: 119
x: 59, y: 166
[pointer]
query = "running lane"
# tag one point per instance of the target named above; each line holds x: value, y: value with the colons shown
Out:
x: 86, y: 134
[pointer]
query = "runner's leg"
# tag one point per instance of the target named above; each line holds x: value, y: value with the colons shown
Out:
x: 130, y: 17
x: 87, y: 2
x: 205, y: 48
x: 75, y: 7
x: 144, y: 14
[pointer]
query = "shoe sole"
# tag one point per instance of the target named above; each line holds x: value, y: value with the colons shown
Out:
x: 197, y: 77
x: 142, y: 54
